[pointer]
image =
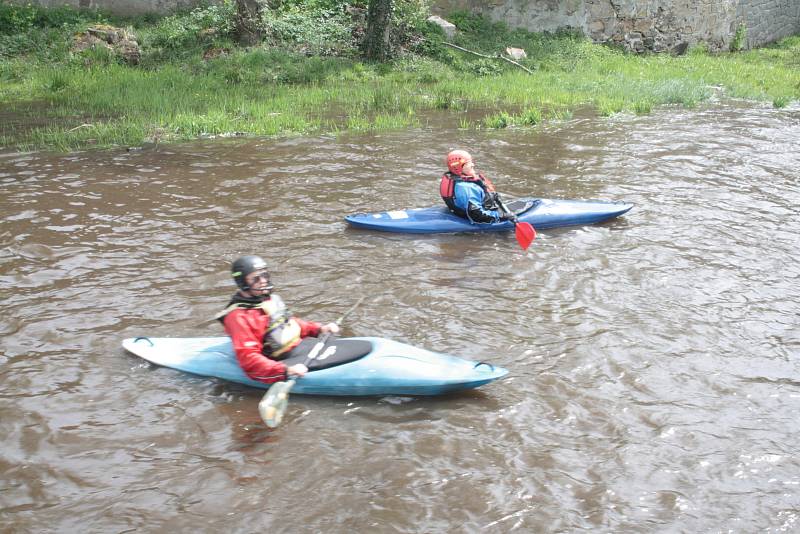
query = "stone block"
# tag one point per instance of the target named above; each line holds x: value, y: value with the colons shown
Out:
x: 572, y: 6
x: 643, y: 25
x: 448, y: 28
x: 597, y: 26
x: 516, y: 53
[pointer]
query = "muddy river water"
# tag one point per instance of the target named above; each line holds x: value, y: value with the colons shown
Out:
x: 654, y: 360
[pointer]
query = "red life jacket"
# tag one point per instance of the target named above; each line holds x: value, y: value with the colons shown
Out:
x: 447, y: 188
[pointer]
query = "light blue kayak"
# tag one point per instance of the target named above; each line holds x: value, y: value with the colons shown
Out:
x: 544, y: 213
x: 388, y: 368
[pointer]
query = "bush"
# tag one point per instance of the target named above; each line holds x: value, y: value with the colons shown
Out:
x: 15, y: 19
x: 199, y: 26
x: 485, y: 67
x: 739, y: 38
x: 476, y: 24
x: 323, y: 31
x: 46, y: 33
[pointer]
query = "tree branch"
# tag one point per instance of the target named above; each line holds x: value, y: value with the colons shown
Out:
x: 498, y: 56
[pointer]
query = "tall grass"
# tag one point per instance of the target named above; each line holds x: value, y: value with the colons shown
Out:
x: 92, y: 99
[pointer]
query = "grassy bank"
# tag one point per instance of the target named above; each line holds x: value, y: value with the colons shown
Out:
x: 303, y: 80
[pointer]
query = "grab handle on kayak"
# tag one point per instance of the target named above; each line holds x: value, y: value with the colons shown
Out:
x: 484, y: 363
x: 136, y: 340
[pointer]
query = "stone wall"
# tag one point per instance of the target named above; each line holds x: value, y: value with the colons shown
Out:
x: 768, y: 20
x: 533, y: 15
x: 120, y: 7
x: 640, y: 25
x: 660, y: 25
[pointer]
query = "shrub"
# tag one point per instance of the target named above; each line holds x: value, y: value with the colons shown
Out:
x: 314, y: 32
x: 47, y: 33
x: 198, y: 26
x: 739, y: 38
x: 476, y: 24
x: 17, y: 19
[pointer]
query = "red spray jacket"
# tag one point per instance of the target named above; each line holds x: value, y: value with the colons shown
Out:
x: 246, y: 327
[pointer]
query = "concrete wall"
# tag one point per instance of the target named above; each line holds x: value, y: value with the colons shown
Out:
x: 639, y: 25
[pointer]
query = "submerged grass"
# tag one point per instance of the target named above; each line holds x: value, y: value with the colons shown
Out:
x: 174, y: 94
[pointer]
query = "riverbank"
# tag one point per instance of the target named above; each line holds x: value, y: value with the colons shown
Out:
x: 192, y: 80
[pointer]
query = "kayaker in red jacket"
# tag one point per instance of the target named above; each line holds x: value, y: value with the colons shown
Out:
x: 261, y: 327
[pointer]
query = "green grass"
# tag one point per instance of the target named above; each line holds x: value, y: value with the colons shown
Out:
x: 93, y: 99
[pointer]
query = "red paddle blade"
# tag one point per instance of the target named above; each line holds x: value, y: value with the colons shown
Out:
x: 525, y: 234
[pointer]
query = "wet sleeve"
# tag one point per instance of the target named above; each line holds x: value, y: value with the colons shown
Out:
x: 469, y: 197
x: 247, y: 346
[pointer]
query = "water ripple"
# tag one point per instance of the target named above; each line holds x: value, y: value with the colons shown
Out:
x: 654, y: 359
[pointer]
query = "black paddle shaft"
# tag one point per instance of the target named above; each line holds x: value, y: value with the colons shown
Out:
x: 504, y: 209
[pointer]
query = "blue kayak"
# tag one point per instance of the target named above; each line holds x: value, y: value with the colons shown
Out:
x: 542, y: 213
x: 365, y: 366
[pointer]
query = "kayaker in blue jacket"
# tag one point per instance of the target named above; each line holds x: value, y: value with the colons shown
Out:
x: 467, y: 193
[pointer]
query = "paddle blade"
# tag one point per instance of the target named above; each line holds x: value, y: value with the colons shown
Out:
x: 525, y: 234
x: 273, y: 404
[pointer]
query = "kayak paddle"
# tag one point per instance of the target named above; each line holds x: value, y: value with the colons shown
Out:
x: 276, y: 399
x: 524, y: 231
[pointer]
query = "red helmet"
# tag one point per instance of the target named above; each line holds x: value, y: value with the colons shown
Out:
x: 456, y: 160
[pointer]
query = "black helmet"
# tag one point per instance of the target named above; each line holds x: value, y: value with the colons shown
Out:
x: 244, y: 266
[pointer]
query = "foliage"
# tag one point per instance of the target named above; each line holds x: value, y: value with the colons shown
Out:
x: 699, y: 49
x: 15, y: 18
x: 739, y: 38
x: 498, y: 120
x: 314, y: 31
x: 409, y: 23
x: 780, y: 102
x: 194, y: 80
x: 485, y: 67
x: 643, y: 107
x: 531, y: 117
x: 564, y: 50
x: 335, y: 27
x: 475, y: 24
x: 200, y: 26
x: 411, y: 13
x: 44, y: 33
x: 259, y: 67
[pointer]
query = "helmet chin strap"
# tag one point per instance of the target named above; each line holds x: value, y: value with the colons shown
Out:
x: 259, y: 292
